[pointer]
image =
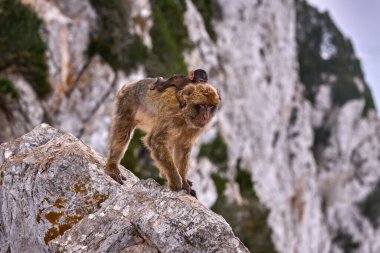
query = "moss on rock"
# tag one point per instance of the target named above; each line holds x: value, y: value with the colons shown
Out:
x: 7, y: 89
x: 137, y: 159
x: 216, y: 151
x: 346, y: 242
x: 327, y: 57
x: 370, y: 206
x: 207, y: 9
x: 123, y: 50
x: 369, y: 102
x: 113, y: 41
x: 249, y: 219
x: 169, y: 37
x: 23, y: 50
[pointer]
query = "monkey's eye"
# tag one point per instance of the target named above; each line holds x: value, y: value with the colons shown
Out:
x: 198, y: 107
x: 212, y: 108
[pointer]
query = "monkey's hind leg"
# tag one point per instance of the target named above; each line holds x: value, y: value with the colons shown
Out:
x: 121, y: 132
x: 160, y: 152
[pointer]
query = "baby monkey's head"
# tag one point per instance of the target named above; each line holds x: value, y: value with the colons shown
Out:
x: 200, y: 101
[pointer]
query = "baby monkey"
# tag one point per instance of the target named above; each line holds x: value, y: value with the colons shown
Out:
x: 180, y: 81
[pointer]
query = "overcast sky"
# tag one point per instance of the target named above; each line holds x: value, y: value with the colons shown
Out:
x: 360, y: 21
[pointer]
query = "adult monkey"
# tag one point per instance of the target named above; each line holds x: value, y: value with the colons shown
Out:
x: 170, y: 129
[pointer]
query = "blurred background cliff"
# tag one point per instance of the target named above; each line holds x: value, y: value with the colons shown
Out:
x: 292, y: 161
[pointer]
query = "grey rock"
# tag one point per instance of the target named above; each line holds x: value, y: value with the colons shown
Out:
x: 22, y: 114
x: 55, y: 197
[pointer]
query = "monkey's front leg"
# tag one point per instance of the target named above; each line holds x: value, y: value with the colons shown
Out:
x: 157, y: 143
x: 182, y: 155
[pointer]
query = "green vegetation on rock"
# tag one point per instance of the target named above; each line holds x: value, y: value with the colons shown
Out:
x: 248, y: 219
x: 7, y: 89
x: 137, y: 159
x: 122, y: 50
x: 293, y: 116
x: 321, y: 140
x: 369, y: 102
x: 243, y: 178
x: 206, y: 9
x: 370, y: 206
x: 130, y: 159
x: 220, y: 184
x: 169, y: 37
x: 21, y: 46
x: 216, y: 151
x: 322, y: 136
x: 113, y: 41
x: 326, y: 57
x: 346, y: 242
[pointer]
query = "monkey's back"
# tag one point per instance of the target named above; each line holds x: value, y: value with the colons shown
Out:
x: 159, y: 101
x: 148, y: 104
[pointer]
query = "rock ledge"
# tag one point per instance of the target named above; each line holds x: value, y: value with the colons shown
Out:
x: 55, y: 197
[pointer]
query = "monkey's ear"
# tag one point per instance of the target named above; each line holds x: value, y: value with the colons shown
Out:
x: 185, y: 94
x: 187, y: 91
x: 191, y: 75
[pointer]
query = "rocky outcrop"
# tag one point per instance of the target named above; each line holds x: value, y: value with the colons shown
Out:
x: 55, y: 197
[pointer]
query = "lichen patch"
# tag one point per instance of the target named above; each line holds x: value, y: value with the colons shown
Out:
x: 53, y: 217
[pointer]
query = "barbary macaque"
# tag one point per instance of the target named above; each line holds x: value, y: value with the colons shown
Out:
x: 180, y: 81
x: 170, y: 129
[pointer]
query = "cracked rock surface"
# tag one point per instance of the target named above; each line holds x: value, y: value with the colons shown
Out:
x: 55, y: 197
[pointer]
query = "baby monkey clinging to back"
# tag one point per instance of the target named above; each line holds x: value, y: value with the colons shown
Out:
x: 180, y: 81
x: 170, y: 129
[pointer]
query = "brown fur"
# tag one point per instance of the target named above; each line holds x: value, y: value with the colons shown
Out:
x: 170, y: 129
x: 177, y: 81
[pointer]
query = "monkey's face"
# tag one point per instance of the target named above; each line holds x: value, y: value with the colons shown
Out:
x: 200, y: 103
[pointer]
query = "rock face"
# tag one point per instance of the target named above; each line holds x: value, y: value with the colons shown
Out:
x: 312, y: 148
x: 55, y: 197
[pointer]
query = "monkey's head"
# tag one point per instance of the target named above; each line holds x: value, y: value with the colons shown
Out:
x: 198, y: 76
x: 199, y: 103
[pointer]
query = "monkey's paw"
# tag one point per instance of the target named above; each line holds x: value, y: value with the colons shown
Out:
x: 116, y: 175
x: 193, y: 193
x: 190, y: 191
